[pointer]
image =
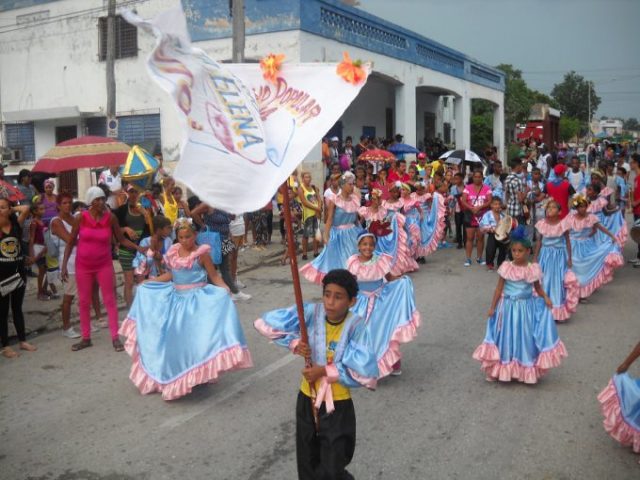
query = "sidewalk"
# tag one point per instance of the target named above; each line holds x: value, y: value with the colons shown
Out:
x: 43, y: 316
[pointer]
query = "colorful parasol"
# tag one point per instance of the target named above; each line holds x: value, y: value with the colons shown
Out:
x: 10, y: 192
x: 140, y: 168
x: 377, y: 155
x: 83, y: 152
x: 397, y: 148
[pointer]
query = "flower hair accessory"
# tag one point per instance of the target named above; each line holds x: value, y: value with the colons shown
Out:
x: 519, y: 235
x: 380, y: 228
x: 579, y: 200
x: 183, y: 223
x: 347, y: 177
x: 270, y: 66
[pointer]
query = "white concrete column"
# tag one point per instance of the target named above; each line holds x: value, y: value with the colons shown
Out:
x: 462, y: 109
x: 405, y: 112
x: 498, y: 132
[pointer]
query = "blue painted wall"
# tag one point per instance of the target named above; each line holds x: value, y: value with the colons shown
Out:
x: 210, y: 20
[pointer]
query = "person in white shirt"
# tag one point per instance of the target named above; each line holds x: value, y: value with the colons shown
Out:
x: 543, y: 161
x: 111, y: 178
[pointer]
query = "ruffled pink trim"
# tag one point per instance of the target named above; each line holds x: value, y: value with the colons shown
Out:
x: 548, y: 230
x: 561, y: 313
x: 403, y: 334
x: 414, y: 231
x: 623, y: 233
x: 312, y: 274
x: 489, y: 356
x: 368, y: 382
x: 351, y: 205
x: 174, y: 260
x: 368, y: 214
x: 404, y: 260
x: 612, y: 261
x: 395, y: 206
x: 266, y: 330
x: 529, y: 273
x: 597, y: 205
x: 421, y: 198
x: 432, y: 246
x: 575, y: 223
x: 234, y: 358
x: 614, y: 423
x: 605, y: 192
x: 371, y: 271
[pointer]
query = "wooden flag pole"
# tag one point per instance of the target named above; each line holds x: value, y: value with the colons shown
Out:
x: 297, y: 290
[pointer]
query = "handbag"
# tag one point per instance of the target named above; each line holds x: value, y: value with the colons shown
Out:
x: 211, y: 238
x: 11, y: 284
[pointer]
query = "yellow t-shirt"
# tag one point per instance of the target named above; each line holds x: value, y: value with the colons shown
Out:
x: 312, y: 197
x: 291, y: 182
x: 340, y: 392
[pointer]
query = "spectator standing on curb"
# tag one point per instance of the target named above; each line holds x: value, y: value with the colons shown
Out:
x: 515, y: 192
x: 311, y: 213
x: 111, y: 178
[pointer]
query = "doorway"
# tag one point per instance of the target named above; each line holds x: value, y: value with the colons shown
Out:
x: 67, y: 181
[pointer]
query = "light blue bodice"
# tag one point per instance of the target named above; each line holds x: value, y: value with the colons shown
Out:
x: 583, y: 234
x: 554, y: 242
x: 342, y: 217
x: 371, y: 285
x: 189, y: 276
x: 517, y: 290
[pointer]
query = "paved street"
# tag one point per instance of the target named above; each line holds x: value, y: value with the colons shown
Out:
x: 67, y: 415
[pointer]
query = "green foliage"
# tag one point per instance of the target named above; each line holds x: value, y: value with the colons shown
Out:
x: 518, y: 98
x: 569, y: 128
x: 481, y: 125
x: 572, y: 96
x: 631, y: 124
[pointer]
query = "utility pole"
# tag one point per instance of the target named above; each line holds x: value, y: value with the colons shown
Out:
x: 112, y: 126
x: 237, y: 16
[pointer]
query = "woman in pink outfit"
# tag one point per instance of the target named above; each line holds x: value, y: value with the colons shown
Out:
x: 92, y: 231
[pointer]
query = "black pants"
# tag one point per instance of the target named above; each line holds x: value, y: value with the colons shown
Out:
x: 324, y: 454
x: 15, y: 298
x: 492, y: 246
x: 225, y: 272
x: 461, y: 234
x: 635, y: 218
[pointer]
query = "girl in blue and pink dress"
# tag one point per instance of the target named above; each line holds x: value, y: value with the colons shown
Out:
x: 412, y: 211
x: 394, y: 206
x: 620, y: 404
x: 182, y: 331
x: 593, y: 262
x: 340, y: 232
x: 387, y: 303
x: 521, y: 341
x: 553, y: 253
x: 613, y: 221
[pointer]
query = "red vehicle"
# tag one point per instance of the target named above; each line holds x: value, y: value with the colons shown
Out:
x: 543, y: 125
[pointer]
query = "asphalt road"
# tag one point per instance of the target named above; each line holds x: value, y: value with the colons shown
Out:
x: 66, y: 415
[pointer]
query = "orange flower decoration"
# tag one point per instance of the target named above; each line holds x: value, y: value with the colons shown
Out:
x: 270, y: 66
x: 350, y: 71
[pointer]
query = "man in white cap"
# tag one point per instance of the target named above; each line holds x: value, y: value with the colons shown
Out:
x: 334, y: 150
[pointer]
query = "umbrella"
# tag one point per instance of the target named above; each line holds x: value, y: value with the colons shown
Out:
x: 402, y: 148
x: 83, y: 152
x: 376, y: 155
x: 457, y: 156
x: 10, y: 192
x: 140, y: 168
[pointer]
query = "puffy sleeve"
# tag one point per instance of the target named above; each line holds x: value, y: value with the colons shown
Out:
x: 486, y: 222
x: 358, y: 366
x: 282, y: 326
x: 142, y: 262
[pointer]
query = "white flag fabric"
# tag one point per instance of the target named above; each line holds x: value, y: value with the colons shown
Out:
x: 243, y: 135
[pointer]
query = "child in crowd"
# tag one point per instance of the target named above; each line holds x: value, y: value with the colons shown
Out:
x: 296, y: 217
x: 340, y: 356
x: 487, y: 224
x: 521, y: 342
x: 443, y: 190
x: 172, y: 314
x: 456, y: 190
x: 623, y: 188
x: 620, y: 404
x: 387, y: 303
x: 151, y: 264
x: 37, y: 248
x: 553, y: 254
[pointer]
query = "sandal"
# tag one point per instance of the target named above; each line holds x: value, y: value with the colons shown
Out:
x: 9, y: 352
x: 81, y: 345
x: 44, y: 298
x: 117, y: 345
x: 28, y: 347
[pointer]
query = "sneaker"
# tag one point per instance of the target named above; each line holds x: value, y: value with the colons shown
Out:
x: 480, y: 261
x: 467, y: 263
x: 70, y: 333
x: 94, y: 328
x: 490, y: 267
x: 634, y: 261
x: 240, y: 297
x: 396, y: 373
x: 239, y: 284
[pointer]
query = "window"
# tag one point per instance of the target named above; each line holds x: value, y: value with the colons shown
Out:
x: 126, y: 38
x: 143, y: 130
x: 20, y: 140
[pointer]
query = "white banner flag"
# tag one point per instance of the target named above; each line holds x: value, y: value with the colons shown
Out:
x: 244, y: 135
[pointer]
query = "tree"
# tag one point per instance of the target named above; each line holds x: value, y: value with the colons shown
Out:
x: 569, y: 128
x: 572, y: 95
x: 539, y: 97
x: 518, y: 97
x: 481, y: 125
x: 631, y: 124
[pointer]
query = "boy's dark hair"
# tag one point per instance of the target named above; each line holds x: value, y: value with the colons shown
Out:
x: 595, y: 187
x: 496, y: 199
x: 160, y: 222
x: 458, y: 174
x: 515, y: 162
x: 342, y: 278
x: 536, y: 170
x: 622, y: 170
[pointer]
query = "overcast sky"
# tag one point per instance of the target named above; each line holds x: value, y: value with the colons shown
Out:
x: 600, y: 39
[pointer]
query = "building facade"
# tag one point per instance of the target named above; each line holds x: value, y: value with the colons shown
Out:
x: 53, y: 77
